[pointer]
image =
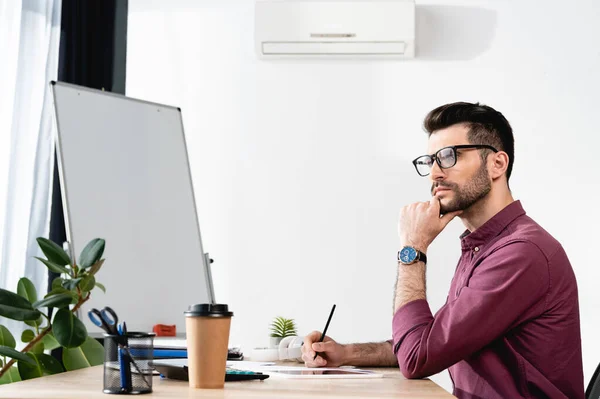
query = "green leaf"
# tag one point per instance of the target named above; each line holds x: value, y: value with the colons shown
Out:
x: 101, y: 286
x: 16, y: 307
x: 90, y: 353
x: 61, y: 290
x: 53, y: 252
x: 91, y: 253
x: 56, y: 268
x: 6, y: 338
x: 43, y: 365
x: 13, y: 354
x: 12, y: 375
x: 37, y: 348
x: 35, y: 323
x: 71, y: 284
x: 50, y: 343
x: 50, y: 364
x: 55, y: 301
x: 57, y: 282
x: 68, y: 330
x: 27, y: 336
x: 96, y: 267
x: 88, y: 283
x: 27, y: 290
x: 282, y: 327
x: 29, y: 371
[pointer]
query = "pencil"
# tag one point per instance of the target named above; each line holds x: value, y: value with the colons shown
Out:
x: 325, y: 329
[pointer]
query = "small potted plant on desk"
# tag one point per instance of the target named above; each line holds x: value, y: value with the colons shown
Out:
x: 281, y: 328
x: 69, y: 291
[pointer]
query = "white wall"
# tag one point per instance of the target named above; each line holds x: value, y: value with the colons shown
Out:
x: 300, y: 167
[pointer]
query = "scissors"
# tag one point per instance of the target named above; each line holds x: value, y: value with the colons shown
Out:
x: 106, y: 319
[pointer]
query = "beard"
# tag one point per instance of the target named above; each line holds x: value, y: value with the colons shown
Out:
x: 464, y: 197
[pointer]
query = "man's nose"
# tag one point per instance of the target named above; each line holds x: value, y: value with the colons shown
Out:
x: 437, y: 173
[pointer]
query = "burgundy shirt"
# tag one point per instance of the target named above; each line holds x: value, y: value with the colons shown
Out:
x: 510, y: 325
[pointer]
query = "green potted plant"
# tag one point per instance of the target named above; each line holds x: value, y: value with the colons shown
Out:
x: 69, y: 291
x: 281, y: 328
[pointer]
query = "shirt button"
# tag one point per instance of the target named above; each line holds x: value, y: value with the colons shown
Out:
x: 476, y: 249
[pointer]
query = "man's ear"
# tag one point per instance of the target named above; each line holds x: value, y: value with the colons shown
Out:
x: 499, y: 164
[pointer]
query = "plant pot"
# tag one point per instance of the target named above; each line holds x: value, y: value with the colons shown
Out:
x: 274, y: 341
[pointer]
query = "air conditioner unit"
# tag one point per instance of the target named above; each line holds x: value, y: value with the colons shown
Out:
x: 335, y: 29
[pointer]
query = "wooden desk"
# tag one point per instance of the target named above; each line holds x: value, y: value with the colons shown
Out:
x: 87, y: 383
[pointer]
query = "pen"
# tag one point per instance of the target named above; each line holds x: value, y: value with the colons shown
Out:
x: 125, y: 360
x: 325, y: 329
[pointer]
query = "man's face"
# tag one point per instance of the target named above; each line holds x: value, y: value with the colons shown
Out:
x: 465, y: 183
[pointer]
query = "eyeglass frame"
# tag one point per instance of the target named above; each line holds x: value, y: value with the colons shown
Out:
x: 454, y: 148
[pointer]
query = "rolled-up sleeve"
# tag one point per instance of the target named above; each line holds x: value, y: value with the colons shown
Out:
x: 506, y: 288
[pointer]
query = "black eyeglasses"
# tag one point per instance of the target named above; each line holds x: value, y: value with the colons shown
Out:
x: 445, y: 157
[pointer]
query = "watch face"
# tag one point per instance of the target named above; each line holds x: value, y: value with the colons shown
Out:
x: 407, y: 255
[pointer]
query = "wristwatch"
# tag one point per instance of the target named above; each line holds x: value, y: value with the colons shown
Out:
x: 409, y: 255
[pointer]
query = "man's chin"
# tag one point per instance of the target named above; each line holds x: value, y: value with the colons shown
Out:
x: 446, y: 205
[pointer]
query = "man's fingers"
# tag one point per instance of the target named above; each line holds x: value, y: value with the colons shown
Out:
x: 308, y: 342
x: 318, y: 362
x: 323, y: 346
x: 310, y: 338
x: 449, y: 216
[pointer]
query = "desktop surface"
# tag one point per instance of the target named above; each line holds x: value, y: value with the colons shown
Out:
x: 87, y: 383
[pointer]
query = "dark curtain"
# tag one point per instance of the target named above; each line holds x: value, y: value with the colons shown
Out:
x: 92, y: 54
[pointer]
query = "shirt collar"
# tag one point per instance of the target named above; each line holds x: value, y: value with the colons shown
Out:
x: 492, y: 227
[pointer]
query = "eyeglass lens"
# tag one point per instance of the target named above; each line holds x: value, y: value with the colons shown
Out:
x: 446, y: 157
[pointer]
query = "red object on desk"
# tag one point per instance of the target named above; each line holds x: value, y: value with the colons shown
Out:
x: 163, y: 330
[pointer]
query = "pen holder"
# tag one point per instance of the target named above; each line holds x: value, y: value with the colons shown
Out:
x: 128, y: 363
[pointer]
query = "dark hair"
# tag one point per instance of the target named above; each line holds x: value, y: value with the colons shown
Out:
x: 486, y: 126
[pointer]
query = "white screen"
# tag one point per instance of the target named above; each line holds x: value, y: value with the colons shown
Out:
x: 126, y: 178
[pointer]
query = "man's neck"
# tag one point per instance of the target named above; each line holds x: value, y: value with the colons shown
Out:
x: 485, y: 209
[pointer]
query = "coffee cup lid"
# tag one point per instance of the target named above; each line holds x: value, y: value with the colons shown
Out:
x: 208, y: 310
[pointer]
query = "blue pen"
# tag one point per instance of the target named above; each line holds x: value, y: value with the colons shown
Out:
x: 124, y: 359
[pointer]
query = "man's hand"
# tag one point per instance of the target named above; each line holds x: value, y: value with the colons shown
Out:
x: 420, y: 223
x: 331, y: 354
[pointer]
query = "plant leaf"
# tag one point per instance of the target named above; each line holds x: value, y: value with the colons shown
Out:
x: 56, y: 268
x: 57, y: 282
x: 35, y: 323
x: 6, y: 338
x: 16, y: 307
x: 13, y: 354
x: 11, y: 375
x: 37, y: 348
x: 43, y: 365
x: 91, y: 253
x: 88, y: 283
x: 29, y: 371
x: 71, y: 283
x: 61, y: 290
x: 27, y: 336
x: 90, y: 353
x: 26, y: 289
x: 68, y: 330
x: 50, y: 365
x: 55, y: 301
x: 53, y: 252
x: 96, y: 267
x: 50, y: 343
x: 101, y: 286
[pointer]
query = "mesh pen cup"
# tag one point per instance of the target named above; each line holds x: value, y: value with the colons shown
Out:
x: 128, y: 363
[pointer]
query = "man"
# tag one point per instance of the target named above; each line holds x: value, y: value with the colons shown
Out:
x: 510, y: 325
